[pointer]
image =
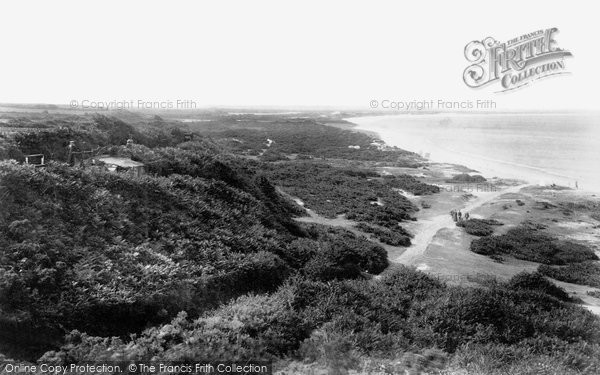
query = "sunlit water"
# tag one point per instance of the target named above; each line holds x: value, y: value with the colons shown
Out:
x: 539, y: 148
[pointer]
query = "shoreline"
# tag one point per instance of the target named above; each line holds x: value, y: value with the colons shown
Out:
x: 485, y: 165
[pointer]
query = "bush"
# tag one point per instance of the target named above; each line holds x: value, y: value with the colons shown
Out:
x: 584, y: 273
x: 543, y: 355
x: 332, y: 265
x: 463, y: 315
x: 409, y: 183
x: 250, y: 328
x: 537, y: 282
x: 529, y: 244
x: 339, y: 260
x: 332, y: 348
x: 334, y: 253
x: 466, y: 178
x: 388, y: 236
x: 478, y: 227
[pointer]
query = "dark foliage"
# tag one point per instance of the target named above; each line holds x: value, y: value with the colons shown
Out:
x: 467, y: 178
x: 109, y: 254
x: 397, y: 237
x: 303, y: 137
x: 537, y: 282
x: 404, y: 311
x: 93, y: 134
x: 334, y: 191
x: 533, y: 245
x: 478, y: 227
x: 127, y: 251
x: 342, y: 255
x: 410, y: 184
x: 584, y: 273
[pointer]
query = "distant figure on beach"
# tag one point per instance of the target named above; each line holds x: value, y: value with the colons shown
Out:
x: 459, y: 215
x: 453, y: 214
x: 467, y: 216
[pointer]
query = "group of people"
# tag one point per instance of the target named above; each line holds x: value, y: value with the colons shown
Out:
x: 458, y: 216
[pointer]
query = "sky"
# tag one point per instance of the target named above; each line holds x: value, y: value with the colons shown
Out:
x: 282, y: 53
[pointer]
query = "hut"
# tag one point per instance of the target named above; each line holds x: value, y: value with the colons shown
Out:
x: 120, y: 164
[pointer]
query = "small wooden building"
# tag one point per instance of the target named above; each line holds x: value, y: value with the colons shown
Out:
x: 120, y: 164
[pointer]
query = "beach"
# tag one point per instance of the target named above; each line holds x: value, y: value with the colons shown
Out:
x: 534, y: 147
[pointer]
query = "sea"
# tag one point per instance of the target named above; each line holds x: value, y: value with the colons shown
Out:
x: 539, y: 148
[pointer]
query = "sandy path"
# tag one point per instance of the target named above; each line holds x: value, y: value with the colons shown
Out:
x: 430, y: 227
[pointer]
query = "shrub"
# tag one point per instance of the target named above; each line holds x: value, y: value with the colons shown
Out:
x: 341, y: 254
x: 467, y: 178
x: 410, y: 184
x: 584, y: 273
x: 537, y: 282
x: 332, y: 265
x: 478, y: 227
x: 399, y: 237
x: 543, y: 355
x: 463, y: 315
x: 528, y: 244
x: 332, y: 348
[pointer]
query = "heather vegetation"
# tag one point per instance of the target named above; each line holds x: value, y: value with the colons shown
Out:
x: 359, y: 194
x: 410, y: 184
x: 396, y: 322
x: 201, y: 258
x: 305, y: 137
x: 467, y: 178
x: 478, y: 227
x: 584, y: 273
x: 91, y: 133
x: 534, y: 245
x: 537, y: 282
x: 396, y: 237
x: 109, y: 253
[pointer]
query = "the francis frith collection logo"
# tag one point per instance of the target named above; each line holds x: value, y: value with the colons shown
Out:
x: 515, y: 63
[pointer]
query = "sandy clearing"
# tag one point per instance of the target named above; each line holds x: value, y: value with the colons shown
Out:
x: 427, y: 230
